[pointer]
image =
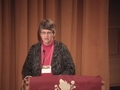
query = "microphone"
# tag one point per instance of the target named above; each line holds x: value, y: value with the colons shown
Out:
x: 44, y: 51
x: 43, y: 57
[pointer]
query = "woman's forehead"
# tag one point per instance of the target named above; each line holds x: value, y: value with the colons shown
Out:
x: 46, y: 30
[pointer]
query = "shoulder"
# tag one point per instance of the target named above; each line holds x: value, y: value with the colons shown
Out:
x: 35, y: 46
x: 60, y: 45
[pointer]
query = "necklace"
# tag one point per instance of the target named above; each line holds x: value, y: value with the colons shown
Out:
x: 49, y: 55
x: 50, y: 52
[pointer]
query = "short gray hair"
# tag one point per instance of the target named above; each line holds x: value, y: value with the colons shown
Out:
x: 48, y: 24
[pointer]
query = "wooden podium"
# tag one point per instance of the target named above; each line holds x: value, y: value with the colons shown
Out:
x: 63, y: 82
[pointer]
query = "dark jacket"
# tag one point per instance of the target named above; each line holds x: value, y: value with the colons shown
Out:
x: 62, y: 62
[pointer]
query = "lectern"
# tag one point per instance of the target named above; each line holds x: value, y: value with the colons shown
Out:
x: 63, y: 82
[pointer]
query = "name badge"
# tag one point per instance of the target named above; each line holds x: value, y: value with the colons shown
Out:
x: 46, y: 69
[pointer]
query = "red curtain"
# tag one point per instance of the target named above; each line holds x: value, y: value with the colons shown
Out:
x: 81, y: 24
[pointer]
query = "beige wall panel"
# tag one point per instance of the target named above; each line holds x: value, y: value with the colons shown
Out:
x: 115, y: 70
x: 114, y: 14
x: 113, y: 41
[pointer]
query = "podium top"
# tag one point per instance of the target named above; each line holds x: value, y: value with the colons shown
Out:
x: 65, y: 82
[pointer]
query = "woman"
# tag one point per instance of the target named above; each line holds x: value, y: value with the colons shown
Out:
x: 48, y: 56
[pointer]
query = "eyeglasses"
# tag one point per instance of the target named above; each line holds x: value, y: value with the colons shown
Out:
x: 48, y: 33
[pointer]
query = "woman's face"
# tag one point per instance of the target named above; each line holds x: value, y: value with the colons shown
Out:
x: 47, y: 36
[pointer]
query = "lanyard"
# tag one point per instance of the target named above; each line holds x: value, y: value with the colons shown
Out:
x: 43, y: 55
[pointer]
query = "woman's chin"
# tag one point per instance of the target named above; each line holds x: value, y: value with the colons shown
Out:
x: 46, y: 43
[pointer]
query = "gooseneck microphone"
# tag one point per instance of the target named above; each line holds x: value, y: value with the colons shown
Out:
x: 44, y: 51
x: 43, y: 57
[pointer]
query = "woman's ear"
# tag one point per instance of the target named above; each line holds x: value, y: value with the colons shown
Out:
x: 54, y: 34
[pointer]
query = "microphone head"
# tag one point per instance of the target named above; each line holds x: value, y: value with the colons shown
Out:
x: 43, y: 51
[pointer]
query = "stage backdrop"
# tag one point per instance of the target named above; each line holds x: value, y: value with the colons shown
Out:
x: 81, y: 24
